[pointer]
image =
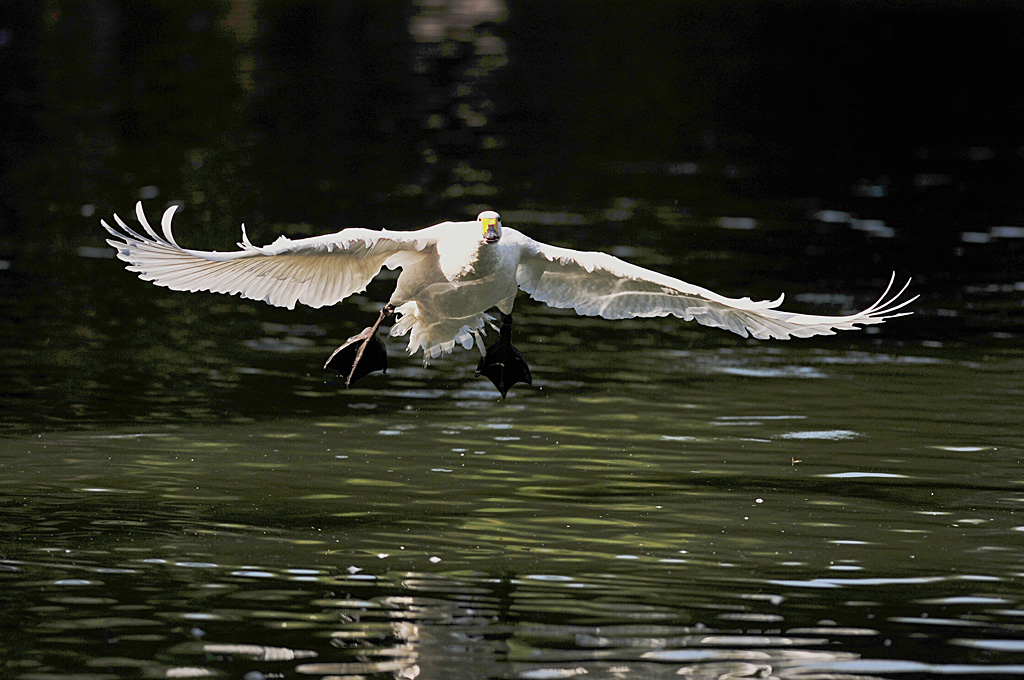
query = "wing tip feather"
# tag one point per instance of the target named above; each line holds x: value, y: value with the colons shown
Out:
x: 165, y: 223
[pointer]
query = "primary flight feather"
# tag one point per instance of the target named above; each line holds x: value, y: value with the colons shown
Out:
x: 452, y: 274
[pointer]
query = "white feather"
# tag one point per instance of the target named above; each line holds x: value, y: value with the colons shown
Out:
x: 451, y: 278
x: 598, y: 284
x: 316, y: 271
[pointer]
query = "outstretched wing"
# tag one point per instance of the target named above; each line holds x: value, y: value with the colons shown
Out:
x: 598, y: 284
x: 316, y: 271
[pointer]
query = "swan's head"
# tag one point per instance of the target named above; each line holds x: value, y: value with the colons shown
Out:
x: 490, y: 226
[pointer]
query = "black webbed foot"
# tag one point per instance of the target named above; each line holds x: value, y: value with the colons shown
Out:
x: 362, y: 354
x: 502, y: 363
x: 504, y: 366
x: 374, y: 358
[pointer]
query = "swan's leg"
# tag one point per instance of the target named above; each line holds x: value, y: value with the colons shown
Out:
x: 362, y: 354
x: 502, y: 363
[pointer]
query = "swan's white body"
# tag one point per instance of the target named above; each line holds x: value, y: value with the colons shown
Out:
x: 451, y: 276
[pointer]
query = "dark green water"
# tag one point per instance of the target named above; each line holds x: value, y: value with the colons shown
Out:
x: 185, y: 493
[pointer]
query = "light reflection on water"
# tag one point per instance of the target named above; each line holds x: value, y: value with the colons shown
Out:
x: 330, y: 620
x: 696, y: 523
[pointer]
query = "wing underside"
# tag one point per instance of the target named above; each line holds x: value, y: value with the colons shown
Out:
x: 598, y: 284
x: 316, y: 271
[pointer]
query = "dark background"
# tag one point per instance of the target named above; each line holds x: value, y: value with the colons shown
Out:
x: 859, y: 137
x: 334, y: 112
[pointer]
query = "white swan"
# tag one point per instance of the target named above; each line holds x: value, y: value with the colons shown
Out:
x: 453, y: 273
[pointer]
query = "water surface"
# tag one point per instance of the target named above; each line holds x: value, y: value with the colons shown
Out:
x: 769, y: 509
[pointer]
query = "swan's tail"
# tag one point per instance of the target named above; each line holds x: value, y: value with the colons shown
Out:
x: 439, y: 336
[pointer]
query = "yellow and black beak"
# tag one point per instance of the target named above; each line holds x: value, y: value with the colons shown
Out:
x: 491, y: 229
